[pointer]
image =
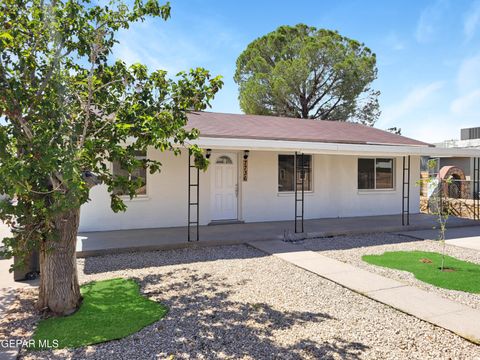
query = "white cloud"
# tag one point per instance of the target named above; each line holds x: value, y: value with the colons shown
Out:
x: 472, y: 20
x: 435, y: 128
x: 415, y: 99
x: 444, y: 120
x: 467, y: 105
x: 169, y: 46
x: 468, y: 77
x: 158, y: 48
x: 435, y: 112
x: 395, y: 42
x: 429, y: 21
x: 174, y: 48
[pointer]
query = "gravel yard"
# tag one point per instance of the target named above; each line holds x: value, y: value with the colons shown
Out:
x: 350, y: 249
x: 235, y: 302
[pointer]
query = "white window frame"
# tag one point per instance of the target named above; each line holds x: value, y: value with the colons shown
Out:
x: 394, y: 167
x: 282, y: 193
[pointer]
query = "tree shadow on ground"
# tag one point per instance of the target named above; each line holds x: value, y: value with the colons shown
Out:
x: 208, y: 319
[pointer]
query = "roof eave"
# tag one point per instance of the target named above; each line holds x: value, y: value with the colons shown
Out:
x: 331, y: 148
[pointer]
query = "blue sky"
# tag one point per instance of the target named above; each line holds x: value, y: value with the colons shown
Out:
x: 428, y: 52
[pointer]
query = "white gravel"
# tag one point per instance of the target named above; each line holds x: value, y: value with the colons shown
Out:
x: 350, y: 249
x: 235, y: 302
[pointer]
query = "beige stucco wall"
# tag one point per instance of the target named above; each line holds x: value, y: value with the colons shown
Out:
x: 164, y: 205
x: 334, y: 194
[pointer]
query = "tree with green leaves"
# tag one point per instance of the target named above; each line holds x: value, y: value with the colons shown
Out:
x: 304, y: 72
x: 66, y: 112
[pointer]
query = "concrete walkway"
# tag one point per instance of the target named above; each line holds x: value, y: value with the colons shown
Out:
x: 466, y: 237
x: 106, y: 242
x: 424, y: 305
x: 8, y: 285
x: 8, y: 289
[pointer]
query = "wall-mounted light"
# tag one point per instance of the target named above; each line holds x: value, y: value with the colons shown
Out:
x: 208, y: 154
x: 245, y: 154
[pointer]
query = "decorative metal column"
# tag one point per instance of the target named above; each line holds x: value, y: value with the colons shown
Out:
x: 193, y: 205
x: 299, y: 201
x: 406, y: 191
x: 476, y: 188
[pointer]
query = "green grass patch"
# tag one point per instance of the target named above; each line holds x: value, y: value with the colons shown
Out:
x: 458, y: 274
x: 111, y: 309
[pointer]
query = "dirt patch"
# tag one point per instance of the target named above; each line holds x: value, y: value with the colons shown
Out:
x: 425, y: 261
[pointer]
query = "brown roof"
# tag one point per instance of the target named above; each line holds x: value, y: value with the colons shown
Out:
x: 238, y: 126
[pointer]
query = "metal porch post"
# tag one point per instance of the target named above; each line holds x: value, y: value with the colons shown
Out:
x: 299, y: 229
x: 476, y: 188
x: 406, y: 191
x: 195, y: 204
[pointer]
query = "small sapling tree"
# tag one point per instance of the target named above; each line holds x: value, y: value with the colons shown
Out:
x: 437, y: 203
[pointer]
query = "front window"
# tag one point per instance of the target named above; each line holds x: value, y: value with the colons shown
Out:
x: 375, y: 174
x: 140, y: 173
x: 286, y: 173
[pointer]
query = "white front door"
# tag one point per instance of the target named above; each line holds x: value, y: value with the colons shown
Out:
x: 224, y: 187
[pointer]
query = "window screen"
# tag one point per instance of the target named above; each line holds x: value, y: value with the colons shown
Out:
x: 375, y: 173
x: 384, y: 173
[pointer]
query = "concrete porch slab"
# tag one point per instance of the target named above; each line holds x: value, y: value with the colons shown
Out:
x: 105, y: 242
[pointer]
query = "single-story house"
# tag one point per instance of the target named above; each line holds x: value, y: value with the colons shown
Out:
x: 265, y: 168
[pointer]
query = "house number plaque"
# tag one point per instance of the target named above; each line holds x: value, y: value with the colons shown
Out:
x: 245, y: 169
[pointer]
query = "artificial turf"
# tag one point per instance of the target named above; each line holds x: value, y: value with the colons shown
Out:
x: 111, y: 309
x: 425, y: 266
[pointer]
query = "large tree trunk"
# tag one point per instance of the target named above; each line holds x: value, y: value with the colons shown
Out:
x: 59, y: 290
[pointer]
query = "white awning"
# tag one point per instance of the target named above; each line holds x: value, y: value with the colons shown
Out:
x: 332, y: 148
